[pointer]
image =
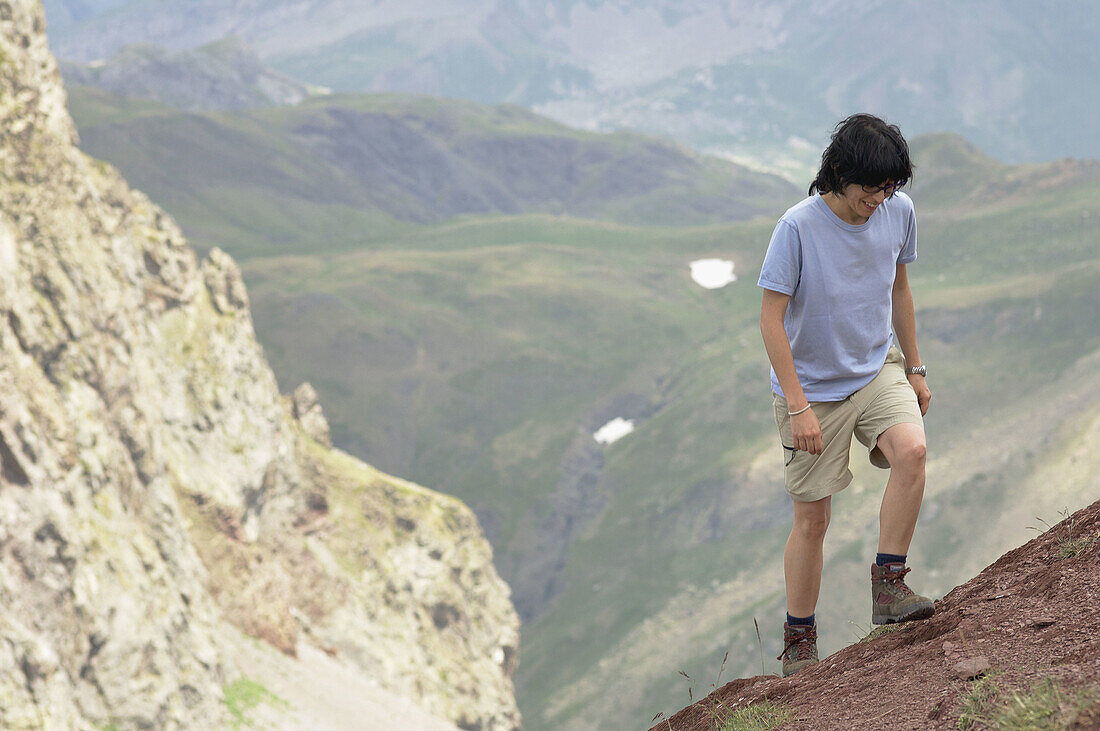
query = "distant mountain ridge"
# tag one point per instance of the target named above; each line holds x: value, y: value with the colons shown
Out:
x: 224, y: 75
x: 760, y: 80
x: 356, y: 167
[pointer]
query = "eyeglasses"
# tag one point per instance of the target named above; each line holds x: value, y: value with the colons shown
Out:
x: 888, y: 188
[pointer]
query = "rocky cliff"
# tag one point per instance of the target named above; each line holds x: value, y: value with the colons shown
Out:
x: 156, y: 486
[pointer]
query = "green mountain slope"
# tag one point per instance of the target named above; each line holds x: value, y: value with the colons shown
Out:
x: 335, y: 172
x: 489, y: 365
x: 522, y: 336
x: 479, y: 355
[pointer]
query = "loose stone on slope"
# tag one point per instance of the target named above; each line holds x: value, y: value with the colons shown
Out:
x: 972, y: 667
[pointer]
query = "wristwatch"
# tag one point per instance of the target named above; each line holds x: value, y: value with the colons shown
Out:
x: 920, y: 370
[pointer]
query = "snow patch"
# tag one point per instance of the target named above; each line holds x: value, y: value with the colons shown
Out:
x: 712, y: 273
x: 614, y: 430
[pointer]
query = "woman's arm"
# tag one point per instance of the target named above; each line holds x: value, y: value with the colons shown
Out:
x: 804, y: 426
x: 905, y: 327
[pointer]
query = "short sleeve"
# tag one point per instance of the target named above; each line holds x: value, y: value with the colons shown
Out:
x: 782, y: 267
x: 909, y: 244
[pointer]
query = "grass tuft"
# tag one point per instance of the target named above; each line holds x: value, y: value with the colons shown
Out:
x: 1066, y: 545
x: 1074, y: 547
x: 1046, y: 705
x: 870, y: 632
x: 244, y: 694
x: 759, y: 645
x: 713, y: 706
x: 977, y: 703
x: 757, y: 717
x: 881, y: 630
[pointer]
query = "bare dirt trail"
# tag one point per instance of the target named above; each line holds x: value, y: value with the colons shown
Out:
x: 1032, y: 615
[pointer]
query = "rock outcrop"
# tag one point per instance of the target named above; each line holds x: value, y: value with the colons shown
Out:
x: 154, y: 484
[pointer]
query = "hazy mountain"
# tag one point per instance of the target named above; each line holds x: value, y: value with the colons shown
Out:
x: 64, y: 13
x: 480, y: 354
x: 221, y: 75
x: 334, y: 171
x: 753, y: 79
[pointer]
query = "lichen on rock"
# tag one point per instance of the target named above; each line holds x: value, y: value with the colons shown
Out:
x: 308, y: 412
x: 224, y: 281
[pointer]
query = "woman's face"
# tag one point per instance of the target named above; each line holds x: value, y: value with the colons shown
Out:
x: 859, y: 202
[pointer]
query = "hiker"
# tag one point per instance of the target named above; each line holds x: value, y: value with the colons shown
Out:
x: 834, y: 280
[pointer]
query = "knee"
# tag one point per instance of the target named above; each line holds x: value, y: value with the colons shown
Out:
x: 915, y: 454
x: 812, y: 528
x: 911, y: 457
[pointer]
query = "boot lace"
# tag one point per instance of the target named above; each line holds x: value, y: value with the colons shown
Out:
x: 803, y: 642
x: 896, y: 579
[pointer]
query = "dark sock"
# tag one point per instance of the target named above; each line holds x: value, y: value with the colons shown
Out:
x: 807, y: 621
x: 884, y: 558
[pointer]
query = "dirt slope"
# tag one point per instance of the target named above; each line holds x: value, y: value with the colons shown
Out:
x: 1033, y: 615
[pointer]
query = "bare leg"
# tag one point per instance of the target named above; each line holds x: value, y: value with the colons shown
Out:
x: 904, y: 447
x: 802, y: 558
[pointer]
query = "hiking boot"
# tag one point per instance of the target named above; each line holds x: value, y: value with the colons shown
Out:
x: 892, y: 600
x: 799, y: 647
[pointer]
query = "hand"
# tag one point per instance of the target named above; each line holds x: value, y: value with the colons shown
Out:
x: 924, y: 396
x: 806, y: 430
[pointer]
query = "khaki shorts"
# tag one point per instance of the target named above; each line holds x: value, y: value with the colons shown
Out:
x: 887, y: 400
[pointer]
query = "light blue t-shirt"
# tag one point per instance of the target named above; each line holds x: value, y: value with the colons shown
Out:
x: 840, y: 277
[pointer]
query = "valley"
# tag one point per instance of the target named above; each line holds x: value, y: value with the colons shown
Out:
x: 478, y: 352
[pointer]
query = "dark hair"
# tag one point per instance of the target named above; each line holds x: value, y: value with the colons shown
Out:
x: 866, y: 151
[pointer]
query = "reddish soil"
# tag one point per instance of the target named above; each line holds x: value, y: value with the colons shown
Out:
x: 1033, y: 614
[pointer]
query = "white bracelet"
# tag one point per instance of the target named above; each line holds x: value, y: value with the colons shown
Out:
x: 796, y: 413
